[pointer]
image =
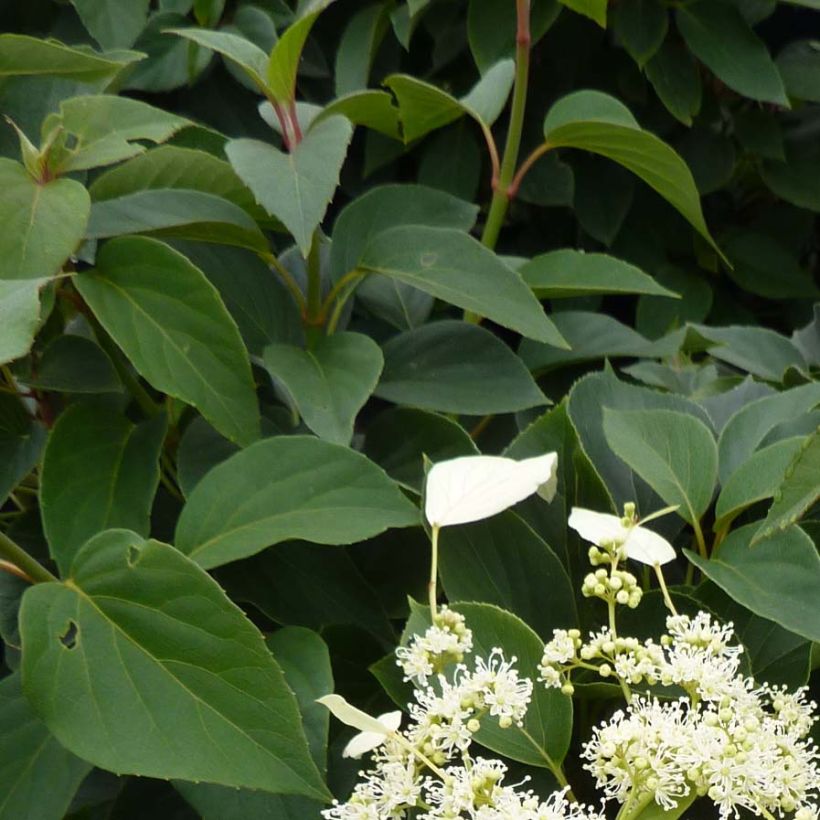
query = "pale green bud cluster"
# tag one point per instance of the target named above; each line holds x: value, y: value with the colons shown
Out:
x: 616, y: 586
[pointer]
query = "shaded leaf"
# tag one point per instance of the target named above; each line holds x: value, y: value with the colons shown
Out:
x: 334, y: 496
x: 425, y: 368
x: 19, y: 316
x: 74, y: 364
x: 21, y: 440
x: 675, y: 78
x: 99, y: 472
x: 111, y: 23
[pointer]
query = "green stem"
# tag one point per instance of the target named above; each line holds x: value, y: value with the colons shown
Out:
x: 666, y: 597
x: 501, y: 195
x: 352, y: 277
x: 287, y: 278
x: 700, y: 539
x: 431, y: 586
x: 313, y: 310
x: 140, y: 394
x: 16, y: 555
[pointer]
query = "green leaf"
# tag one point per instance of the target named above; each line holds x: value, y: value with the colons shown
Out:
x: 284, y: 488
x: 42, y: 225
x: 748, y: 427
x: 74, y: 364
x: 308, y: 585
x: 452, y: 162
x: 283, y: 63
x: 295, y: 187
x: 248, y: 56
x: 200, y: 449
x: 795, y: 180
x: 111, y: 23
x: 799, y: 66
x: 39, y: 777
x: 21, y: 440
x: 99, y: 472
x: 587, y: 399
x: 543, y: 741
x: 657, y: 316
x: 761, y: 265
x: 641, y: 26
x: 569, y: 272
x: 451, y: 265
x: 778, y: 578
x: 719, y: 37
x: 263, y: 309
x: 590, y: 336
x: 655, y: 812
x: 33, y: 57
x: 799, y: 490
x: 598, y: 123
x: 756, y: 479
x: 19, y: 316
x: 108, y: 128
x: 502, y: 561
x: 676, y: 80
x: 674, y: 453
x: 399, y: 439
x: 357, y: 48
x: 172, y: 325
x: 170, y: 166
x: 425, y: 368
x: 491, y: 28
x: 139, y: 617
x: 594, y: 9
x: 424, y: 107
x: 305, y: 662
x: 178, y: 213
x: 757, y: 350
x: 329, y: 383
x: 372, y: 109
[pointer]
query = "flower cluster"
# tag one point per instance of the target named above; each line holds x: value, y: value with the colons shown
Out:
x: 742, y: 745
x: 427, y: 768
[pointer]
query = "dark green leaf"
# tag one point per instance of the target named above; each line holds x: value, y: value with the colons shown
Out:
x: 39, y: 777
x: 295, y: 187
x: 778, y: 578
x: 330, y: 382
x: 453, y: 266
x: 399, y: 439
x: 502, y: 561
x: 594, y: 9
x: 676, y: 80
x: 425, y: 368
x: 173, y: 327
x: 111, y: 23
x: 795, y: 180
x: 21, y: 440
x: 333, y: 496
x: 799, y: 66
x: 357, y: 48
x: 42, y: 226
x: 598, y: 123
x: 641, y: 27
x: 213, y: 704
x: 74, y: 364
x: 719, y: 37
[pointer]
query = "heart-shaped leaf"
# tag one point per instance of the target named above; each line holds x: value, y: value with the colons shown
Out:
x: 137, y: 616
x: 330, y: 382
x: 295, y: 187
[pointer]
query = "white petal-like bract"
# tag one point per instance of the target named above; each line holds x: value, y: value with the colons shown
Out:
x: 642, y: 544
x: 471, y: 488
x: 367, y: 741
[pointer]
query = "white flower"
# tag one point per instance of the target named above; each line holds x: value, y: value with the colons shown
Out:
x: 641, y: 544
x: 471, y: 488
x: 374, y: 731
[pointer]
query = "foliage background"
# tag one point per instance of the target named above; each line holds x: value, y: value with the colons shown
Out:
x: 129, y: 380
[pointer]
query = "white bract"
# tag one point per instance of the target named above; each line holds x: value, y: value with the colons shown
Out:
x: 641, y: 544
x: 471, y: 488
x: 374, y: 731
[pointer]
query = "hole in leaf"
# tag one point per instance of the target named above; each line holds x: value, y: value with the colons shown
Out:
x: 69, y: 638
x: 133, y: 555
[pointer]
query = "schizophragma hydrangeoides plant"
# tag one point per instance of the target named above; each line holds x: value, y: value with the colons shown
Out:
x: 447, y: 366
